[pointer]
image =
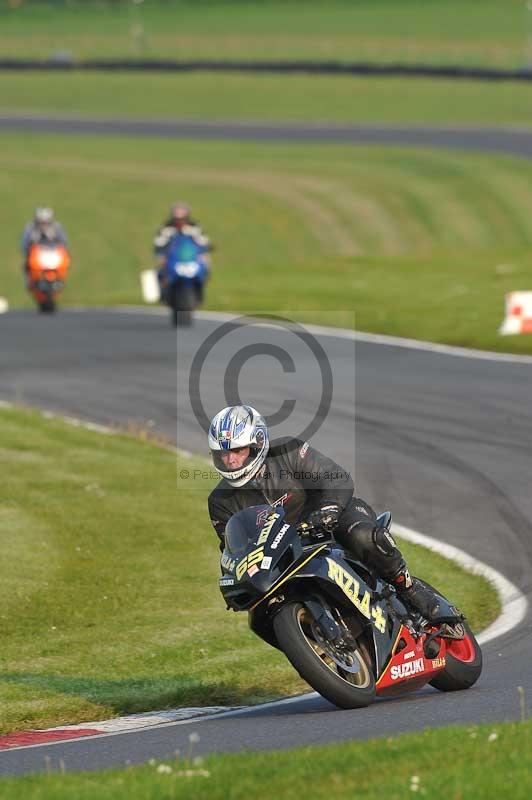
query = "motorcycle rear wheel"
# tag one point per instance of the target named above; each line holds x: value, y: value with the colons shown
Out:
x: 463, y: 664
x: 308, y: 653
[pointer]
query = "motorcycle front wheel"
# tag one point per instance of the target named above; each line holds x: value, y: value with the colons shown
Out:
x: 47, y: 306
x: 183, y: 306
x: 346, y: 680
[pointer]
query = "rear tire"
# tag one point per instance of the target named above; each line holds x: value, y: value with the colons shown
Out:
x: 47, y: 306
x: 463, y: 664
x: 295, y: 631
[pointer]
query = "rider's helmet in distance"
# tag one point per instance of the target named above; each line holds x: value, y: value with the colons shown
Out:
x: 43, y: 216
x: 180, y: 213
x: 235, y: 427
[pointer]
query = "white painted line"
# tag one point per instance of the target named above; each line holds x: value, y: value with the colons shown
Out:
x: 338, y: 333
x: 388, y: 341
x: 108, y: 728
x: 79, y: 423
x: 514, y: 603
x: 169, y: 718
x: 96, y: 427
x: 148, y: 719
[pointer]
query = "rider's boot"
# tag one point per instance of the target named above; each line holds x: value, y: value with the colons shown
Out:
x: 412, y: 592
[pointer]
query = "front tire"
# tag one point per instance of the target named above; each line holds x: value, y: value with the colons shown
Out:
x: 47, y: 306
x: 345, y: 686
x: 463, y: 664
x: 184, y: 305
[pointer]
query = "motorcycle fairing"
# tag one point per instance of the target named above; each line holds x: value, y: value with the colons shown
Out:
x: 407, y: 661
x: 347, y: 603
x: 332, y: 568
x: 297, y: 571
x: 47, y: 270
x: 185, y: 261
x: 333, y: 577
x: 260, y: 534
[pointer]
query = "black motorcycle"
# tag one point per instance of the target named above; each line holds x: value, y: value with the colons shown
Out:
x: 343, y: 629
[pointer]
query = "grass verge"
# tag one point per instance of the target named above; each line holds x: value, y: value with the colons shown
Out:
x: 418, y: 243
x: 455, y: 763
x: 301, y: 98
x: 109, y: 602
x: 494, y: 32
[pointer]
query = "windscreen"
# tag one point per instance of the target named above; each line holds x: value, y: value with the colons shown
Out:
x: 242, y: 529
x: 184, y: 248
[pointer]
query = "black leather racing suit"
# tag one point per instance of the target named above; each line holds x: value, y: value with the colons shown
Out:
x: 299, y: 478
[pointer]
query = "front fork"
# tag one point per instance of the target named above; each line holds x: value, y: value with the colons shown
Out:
x: 323, y: 617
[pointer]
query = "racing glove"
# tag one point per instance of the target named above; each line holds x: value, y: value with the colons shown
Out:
x: 324, y: 520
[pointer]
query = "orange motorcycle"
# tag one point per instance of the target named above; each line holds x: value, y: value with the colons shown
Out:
x: 48, y: 266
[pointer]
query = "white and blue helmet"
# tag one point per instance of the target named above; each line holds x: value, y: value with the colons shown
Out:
x: 43, y: 216
x: 239, y: 426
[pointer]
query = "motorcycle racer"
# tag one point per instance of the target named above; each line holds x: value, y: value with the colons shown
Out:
x: 179, y: 221
x: 42, y: 229
x: 311, y: 488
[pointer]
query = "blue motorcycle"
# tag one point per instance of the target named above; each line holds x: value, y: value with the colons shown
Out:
x: 183, y: 277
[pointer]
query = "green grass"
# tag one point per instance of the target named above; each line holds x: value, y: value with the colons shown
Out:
x: 491, y: 32
x: 456, y: 763
x: 421, y: 244
x: 109, y: 600
x: 319, y: 98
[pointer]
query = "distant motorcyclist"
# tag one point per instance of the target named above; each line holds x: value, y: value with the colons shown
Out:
x: 179, y: 221
x: 42, y: 229
x: 311, y: 488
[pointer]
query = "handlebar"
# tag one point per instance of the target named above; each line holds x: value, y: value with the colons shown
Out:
x: 313, y: 534
x: 304, y: 528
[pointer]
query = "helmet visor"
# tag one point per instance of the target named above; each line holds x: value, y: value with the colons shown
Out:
x: 227, y: 470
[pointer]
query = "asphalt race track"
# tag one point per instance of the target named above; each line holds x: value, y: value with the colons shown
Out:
x: 512, y: 140
x: 442, y: 441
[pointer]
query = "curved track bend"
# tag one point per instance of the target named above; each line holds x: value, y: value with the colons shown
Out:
x: 442, y: 441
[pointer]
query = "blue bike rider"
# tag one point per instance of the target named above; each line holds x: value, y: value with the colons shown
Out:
x: 185, y: 267
x: 179, y: 224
